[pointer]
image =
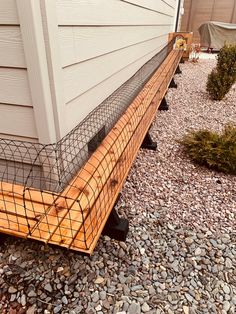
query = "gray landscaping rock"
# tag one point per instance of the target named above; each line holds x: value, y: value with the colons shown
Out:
x: 134, y: 308
x: 48, y: 287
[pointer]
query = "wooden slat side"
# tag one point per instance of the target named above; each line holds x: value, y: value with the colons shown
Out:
x: 15, y: 226
x: 18, y: 191
x: 22, y: 208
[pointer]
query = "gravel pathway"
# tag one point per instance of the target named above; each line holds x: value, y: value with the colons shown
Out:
x: 180, y: 255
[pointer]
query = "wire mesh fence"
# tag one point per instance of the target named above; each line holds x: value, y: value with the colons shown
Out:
x: 57, y: 193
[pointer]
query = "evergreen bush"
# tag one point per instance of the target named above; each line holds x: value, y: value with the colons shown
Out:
x: 216, y: 151
x: 223, y: 76
x: 219, y: 84
x: 226, y: 60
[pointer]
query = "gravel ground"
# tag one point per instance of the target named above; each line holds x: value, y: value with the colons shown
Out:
x: 180, y: 255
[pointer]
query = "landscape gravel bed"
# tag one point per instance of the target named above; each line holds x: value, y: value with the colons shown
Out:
x: 180, y: 254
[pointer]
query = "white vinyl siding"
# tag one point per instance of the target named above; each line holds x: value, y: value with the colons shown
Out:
x: 60, y: 59
x: 16, y: 109
x: 103, y: 43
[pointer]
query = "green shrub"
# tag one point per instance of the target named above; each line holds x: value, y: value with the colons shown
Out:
x: 219, y: 84
x: 226, y: 60
x: 216, y: 151
x: 223, y: 76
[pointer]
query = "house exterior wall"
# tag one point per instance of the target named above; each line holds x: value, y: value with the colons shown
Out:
x: 59, y: 60
x: 16, y: 108
x: 103, y: 43
x: 201, y: 11
x: 91, y: 47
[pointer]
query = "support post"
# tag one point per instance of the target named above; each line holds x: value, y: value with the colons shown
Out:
x: 163, y: 105
x: 173, y: 84
x: 116, y: 228
x: 148, y: 143
x: 178, y: 71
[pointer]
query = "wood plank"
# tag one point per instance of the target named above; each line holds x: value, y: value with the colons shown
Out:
x: 15, y: 226
x: 103, y: 12
x: 11, y: 47
x: 76, y: 78
x: 8, y: 12
x: 17, y: 120
x: 14, y: 87
x: 17, y: 217
x: 29, y: 194
x: 158, y: 6
x: 89, y: 177
x: 23, y: 208
x: 78, y: 44
x: 76, y: 111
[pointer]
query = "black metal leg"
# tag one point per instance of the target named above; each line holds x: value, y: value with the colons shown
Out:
x: 182, y: 60
x: 148, y: 142
x: 163, y: 105
x: 178, y: 71
x: 116, y: 228
x: 173, y: 84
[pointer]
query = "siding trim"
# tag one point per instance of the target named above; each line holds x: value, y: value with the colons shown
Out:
x: 14, y: 86
x: 51, y: 39
x: 115, y: 50
x: 110, y: 75
x: 176, y: 16
x: 106, y: 12
x: 8, y: 13
x: 36, y: 61
x: 17, y: 120
x: 145, y: 8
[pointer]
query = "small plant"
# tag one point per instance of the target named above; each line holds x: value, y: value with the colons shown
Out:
x: 216, y: 151
x: 195, y: 52
x: 223, y: 76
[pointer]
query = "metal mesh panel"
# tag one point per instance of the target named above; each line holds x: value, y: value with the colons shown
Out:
x: 59, y: 193
x: 51, y: 167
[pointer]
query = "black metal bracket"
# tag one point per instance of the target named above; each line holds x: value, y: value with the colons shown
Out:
x: 148, y: 143
x: 182, y: 60
x: 173, y: 84
x: 178, y: 71
x: 116, y: 228
x: 163, y: 105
